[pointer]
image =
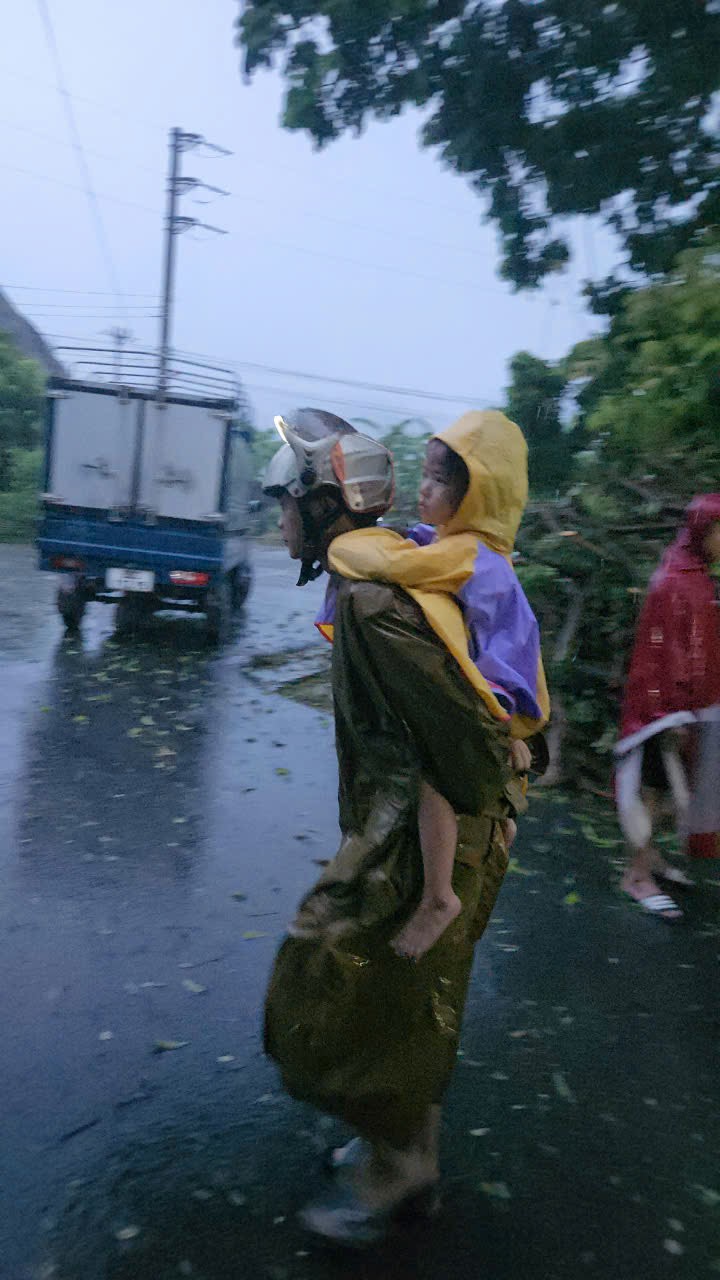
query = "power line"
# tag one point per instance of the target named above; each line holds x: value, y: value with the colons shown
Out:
x: 414, y: 393
x: 73, y: 186
x: 294, y: 248
x: 284, y: 244
x: 317, y: 216
x: 287, y: 392
x: 380, y: 266
x: 74, y: 133
x: 70, y: 308
x: 92, y: 102
x: 88, y: 315
x: 61, y: 142
x: 155, y: 125
x: 85, y: 293
x: 107, y: 312
x: 314, y: 215
x: 350, y: 382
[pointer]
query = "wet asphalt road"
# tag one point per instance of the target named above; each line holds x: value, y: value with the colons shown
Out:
x: 162, y: 806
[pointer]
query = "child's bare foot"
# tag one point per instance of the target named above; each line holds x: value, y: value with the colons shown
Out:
x: 509, y: 832
x: 426, y: 925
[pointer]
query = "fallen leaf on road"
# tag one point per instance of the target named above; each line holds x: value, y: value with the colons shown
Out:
x: 709, y: 1197
x: 478, y: 1133
x: 166, y: 1046
x: 253, y: 933
x: 283, y: 773
x: 127, y: 1233
x: 239, y: 897
x: 514, y: 869
x: 562, y: 1088
x: 571, y: 899
x: 497, y: 1190
x: 602, y: 842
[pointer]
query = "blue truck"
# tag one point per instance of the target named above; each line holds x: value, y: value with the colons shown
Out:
x: 146, y: 501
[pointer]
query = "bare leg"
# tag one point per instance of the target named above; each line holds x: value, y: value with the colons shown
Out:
x: 439, y: 904
x: 509, y: 832
x: 639, y: 878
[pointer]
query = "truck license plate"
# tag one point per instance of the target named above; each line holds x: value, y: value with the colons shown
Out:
x: 129, y: 580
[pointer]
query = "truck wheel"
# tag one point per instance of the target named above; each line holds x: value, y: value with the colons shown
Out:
x: 218, y: 608
x: 71, y: 607
x: 241, y: 584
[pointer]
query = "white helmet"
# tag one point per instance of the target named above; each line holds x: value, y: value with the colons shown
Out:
x: 322, y: 451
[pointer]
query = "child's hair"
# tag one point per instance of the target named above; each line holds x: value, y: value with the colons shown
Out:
x: 453, y: 469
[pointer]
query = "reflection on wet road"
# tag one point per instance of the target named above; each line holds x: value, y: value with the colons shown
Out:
x: 161, y: 810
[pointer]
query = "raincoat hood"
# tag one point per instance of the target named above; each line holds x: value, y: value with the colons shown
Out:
x: 686, y: 553
x: 495, y: 453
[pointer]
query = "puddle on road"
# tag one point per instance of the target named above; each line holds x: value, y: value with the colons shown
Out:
x: 300, y: 674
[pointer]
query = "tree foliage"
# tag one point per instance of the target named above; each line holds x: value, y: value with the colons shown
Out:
x: 534, y: 401
x: 21, y: 399
x: 654, y: 381
x: 550, y: 107
x: 650, y: 406
x: 22, y: 386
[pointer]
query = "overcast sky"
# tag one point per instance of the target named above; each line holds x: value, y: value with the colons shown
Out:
x: 366, y: 262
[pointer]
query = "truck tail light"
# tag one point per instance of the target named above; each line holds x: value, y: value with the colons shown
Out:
x: 67, y: 562
x: 186, y: 578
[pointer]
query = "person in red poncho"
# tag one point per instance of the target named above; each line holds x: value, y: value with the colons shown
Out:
x: 670, y: 728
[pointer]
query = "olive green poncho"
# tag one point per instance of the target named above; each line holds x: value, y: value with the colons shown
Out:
x: 356, y: 1031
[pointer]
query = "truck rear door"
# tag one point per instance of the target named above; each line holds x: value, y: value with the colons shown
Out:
x: 93, y: 440
x: 183, y: 458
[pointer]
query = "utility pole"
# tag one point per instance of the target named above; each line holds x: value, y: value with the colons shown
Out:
x: 120, y: 337
x: 174, y: 226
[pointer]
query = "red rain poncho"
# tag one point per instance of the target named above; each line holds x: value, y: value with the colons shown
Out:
x: 674, y: 677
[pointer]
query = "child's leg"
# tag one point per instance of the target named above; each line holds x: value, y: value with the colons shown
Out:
x: 509, y: 832
x: 439, y: 904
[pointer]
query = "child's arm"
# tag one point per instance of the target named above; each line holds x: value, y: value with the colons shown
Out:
x: 381, y: 555
x: 520, y: 756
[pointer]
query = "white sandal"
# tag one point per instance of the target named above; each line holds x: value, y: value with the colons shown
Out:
x: 658, y: 904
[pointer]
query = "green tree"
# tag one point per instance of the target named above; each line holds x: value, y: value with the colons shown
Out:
x: 650, y: 402
x: 21, y: 399
x: 654, y: 388
x: 534, y: 401
x: 550, y: 107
